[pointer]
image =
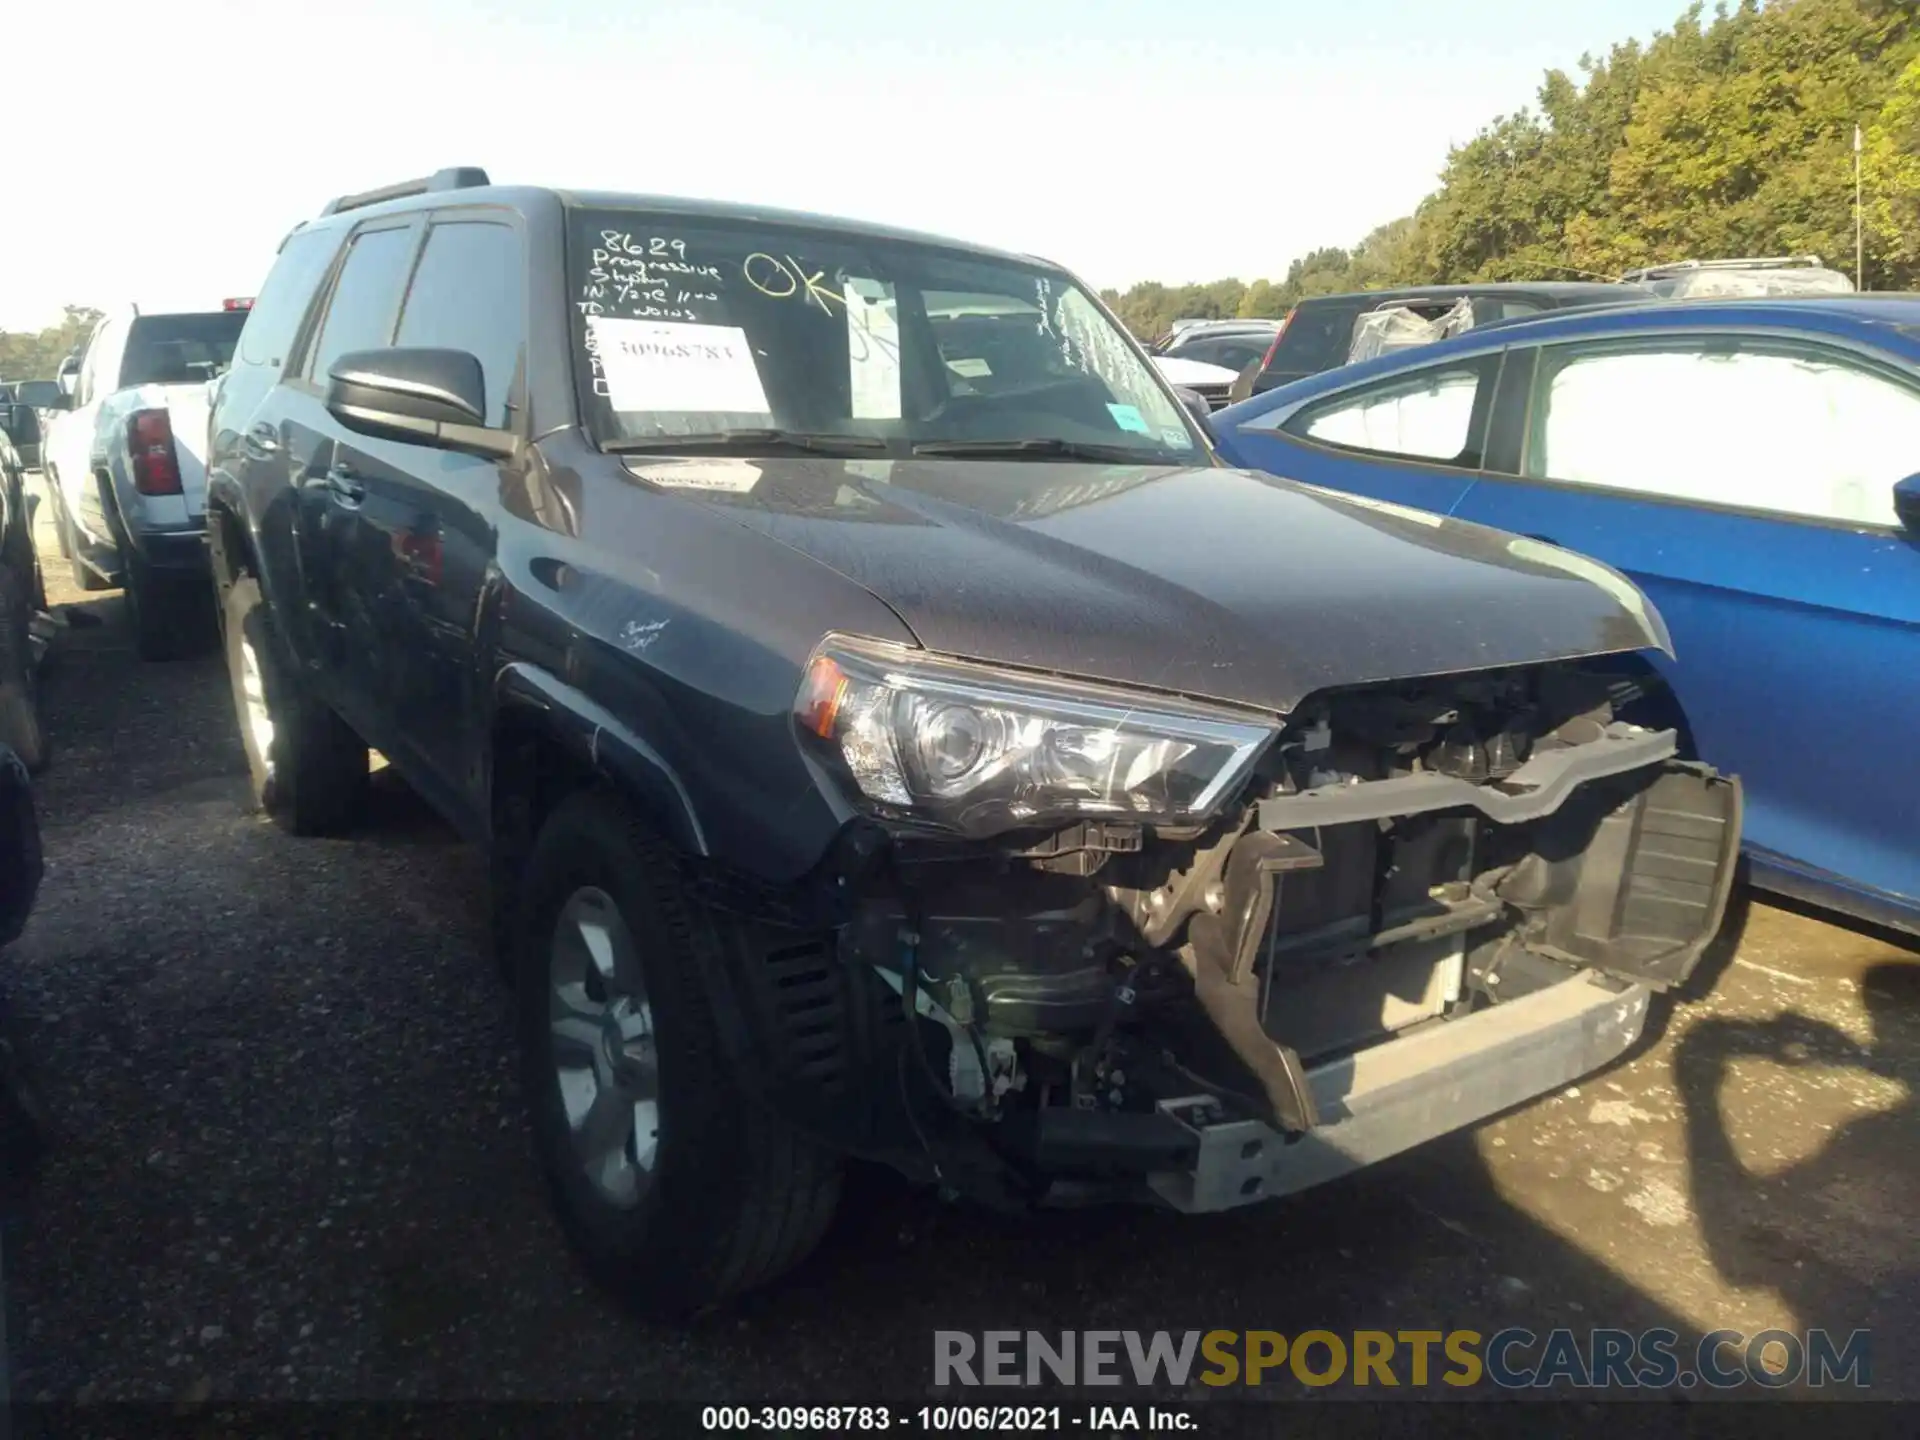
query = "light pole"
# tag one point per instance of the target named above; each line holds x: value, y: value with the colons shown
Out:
x: 1859, y: 227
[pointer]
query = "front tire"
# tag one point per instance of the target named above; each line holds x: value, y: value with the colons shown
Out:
x: 677, y: 1189
x: 309, y: 770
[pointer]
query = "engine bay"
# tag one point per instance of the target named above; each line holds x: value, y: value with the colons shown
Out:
x: 1095, y: 1000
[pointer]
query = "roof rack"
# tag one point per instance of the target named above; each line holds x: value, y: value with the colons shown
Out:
x: 1757, y: 262
x: 454, y: 177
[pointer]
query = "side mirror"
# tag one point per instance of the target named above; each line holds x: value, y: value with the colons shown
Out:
x: 422, y: 397
x: 1197, y: 407
x: 1906, y: 503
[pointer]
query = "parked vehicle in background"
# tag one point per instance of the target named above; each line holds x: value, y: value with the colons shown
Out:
x: 1318, y: 333
x: 20, y: 423
x: 124, y: 467
x: 22, y: 596
x: 1231, y: 344
x: 41, y: 398
x: 1793, y: 275
x: 1210, y: 382
x: 1749, y: 464
x: 24, y: 1127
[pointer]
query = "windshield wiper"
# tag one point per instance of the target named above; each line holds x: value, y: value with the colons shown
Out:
x: 1045, y: 445
x: 748, y: 441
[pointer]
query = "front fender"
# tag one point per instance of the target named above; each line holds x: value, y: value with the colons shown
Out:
x: 594, y: 736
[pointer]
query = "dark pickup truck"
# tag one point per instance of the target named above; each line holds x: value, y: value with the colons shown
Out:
x: 896, y: 736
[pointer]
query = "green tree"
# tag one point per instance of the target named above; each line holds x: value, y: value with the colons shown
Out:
x: 36, y: 355
x: 1891, y: 174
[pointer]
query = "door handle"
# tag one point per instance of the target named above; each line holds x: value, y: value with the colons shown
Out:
x: 345, y: 485
x: 261, y: 441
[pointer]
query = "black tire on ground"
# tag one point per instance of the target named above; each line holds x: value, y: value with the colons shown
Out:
x: 168, y: 610
x: 312, y: 777
x: 83, y: 575
x: 20, y: 725
x: 737, y: 1197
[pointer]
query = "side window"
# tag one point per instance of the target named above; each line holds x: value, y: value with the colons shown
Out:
x: 361, y: 310
x: 468, y: 294
x: 284, y: 297
x: 1437, y: 415
x: 1486, y: 310
x: 1756, y: 425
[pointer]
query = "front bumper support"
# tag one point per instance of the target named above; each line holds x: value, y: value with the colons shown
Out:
x: 1390, y: 1097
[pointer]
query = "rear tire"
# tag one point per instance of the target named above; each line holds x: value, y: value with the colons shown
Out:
x: 166, y: 609
x: 60, y: 540
x: 308, y: 768
x: 693, y: 1192
x: 83, y: 575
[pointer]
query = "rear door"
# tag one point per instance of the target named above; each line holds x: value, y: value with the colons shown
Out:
x: 1745, y: 482
x: 1414, y: 437
x: 361, y: 308
x: 415, y: 547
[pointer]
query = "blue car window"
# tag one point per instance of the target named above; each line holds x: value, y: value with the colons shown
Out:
x: 1754, y: 425
x: 1437, y: 415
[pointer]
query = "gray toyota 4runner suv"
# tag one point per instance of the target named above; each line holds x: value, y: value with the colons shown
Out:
x: 895, y: 736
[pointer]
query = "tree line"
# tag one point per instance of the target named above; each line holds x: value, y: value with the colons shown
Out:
x: 1729, y: 135
x: 36, y: 355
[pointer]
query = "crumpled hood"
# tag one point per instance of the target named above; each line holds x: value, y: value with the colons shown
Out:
x: 1215, y: 583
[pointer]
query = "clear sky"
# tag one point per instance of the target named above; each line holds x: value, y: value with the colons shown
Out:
x: 160, y: 150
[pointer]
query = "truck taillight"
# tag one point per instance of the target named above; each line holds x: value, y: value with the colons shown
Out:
x: 1267, y: 359
x: 245, y: 303
x: 156, y: 468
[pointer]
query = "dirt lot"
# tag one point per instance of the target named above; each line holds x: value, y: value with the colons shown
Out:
x: 294, y: 1164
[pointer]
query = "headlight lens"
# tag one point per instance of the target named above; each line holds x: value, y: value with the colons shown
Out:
x: 979, y: 751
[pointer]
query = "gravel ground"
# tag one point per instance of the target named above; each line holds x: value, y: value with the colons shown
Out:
x: 293, y: 1162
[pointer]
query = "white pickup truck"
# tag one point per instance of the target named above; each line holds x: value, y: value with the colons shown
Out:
x: 124, y: 460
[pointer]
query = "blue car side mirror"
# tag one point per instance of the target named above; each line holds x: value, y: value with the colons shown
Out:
x: 1906, y: 503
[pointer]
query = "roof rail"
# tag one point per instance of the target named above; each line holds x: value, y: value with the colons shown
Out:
x: 454, y: 177
x: 1757, y: 262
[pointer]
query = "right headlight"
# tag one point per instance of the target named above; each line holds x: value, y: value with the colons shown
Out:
x: 979, y: 751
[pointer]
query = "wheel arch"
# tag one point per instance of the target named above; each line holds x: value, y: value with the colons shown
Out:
x: 548, y: 738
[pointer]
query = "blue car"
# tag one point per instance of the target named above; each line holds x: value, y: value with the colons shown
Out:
x: 1754, y: 466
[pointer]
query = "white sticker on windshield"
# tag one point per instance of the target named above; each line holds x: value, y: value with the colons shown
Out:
x: 873, y: 350
x: 676, y: 367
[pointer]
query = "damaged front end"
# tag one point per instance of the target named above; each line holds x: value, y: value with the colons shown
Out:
x: 1177, y: 952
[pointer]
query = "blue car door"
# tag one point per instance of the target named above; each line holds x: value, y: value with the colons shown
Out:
x: 1745, y: 482
x: 1412, y: 438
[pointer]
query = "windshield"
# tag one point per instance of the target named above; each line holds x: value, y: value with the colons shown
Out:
x: 693, y: 326
x: 180, y: 349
